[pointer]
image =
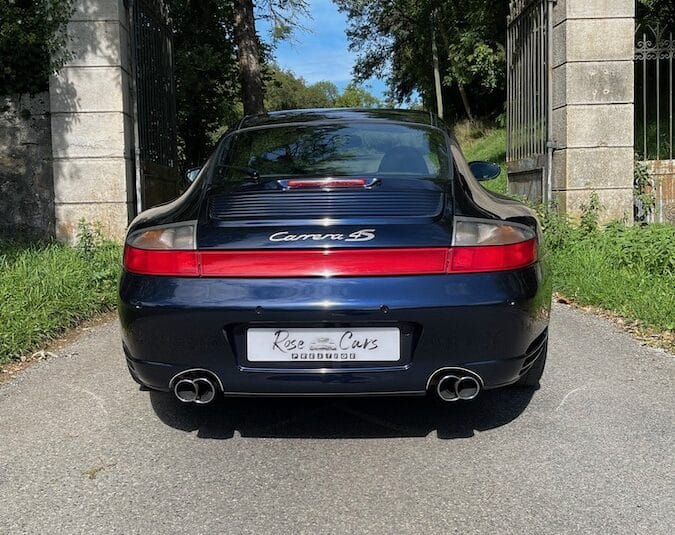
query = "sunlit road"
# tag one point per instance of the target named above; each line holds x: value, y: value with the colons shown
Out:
x: 84, y: 450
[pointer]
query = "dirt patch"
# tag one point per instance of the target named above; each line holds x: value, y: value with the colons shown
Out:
x: 55, y: 347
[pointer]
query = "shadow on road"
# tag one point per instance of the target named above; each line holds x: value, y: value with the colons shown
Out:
x: 342, y: 418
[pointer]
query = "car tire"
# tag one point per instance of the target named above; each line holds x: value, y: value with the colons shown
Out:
x: 533, y: 376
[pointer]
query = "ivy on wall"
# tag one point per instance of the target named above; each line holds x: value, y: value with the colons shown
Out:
x: 33, y: 43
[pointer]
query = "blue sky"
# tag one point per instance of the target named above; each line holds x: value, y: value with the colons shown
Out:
x: 321, y: 51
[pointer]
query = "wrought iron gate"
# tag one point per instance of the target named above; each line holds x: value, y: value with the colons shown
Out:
x: 156, y: 163
x: 529, y: 90
x: 654, y: 54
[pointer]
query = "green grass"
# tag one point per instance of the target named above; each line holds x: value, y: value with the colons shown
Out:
x: 628, y: 270
x: 491, y: 147
x: 48, y: 287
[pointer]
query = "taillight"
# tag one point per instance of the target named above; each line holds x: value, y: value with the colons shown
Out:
x: 179, y: 236
x: 480, y: 246
x: 166, y: 250
x: 477, y: 247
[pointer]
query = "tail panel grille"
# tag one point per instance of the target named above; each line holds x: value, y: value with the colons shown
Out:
x: 323, y: 204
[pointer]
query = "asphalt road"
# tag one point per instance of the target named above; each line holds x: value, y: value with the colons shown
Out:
x: 84, y: 450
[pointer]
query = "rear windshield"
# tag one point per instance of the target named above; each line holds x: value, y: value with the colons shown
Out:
x: 356, y: 149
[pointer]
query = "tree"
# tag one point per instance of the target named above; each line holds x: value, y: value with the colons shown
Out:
x: 283, y: 14
x: 213, y: 89
x: 654, y: 12
x: 285, y: 91
x: 206, y: 72
x: 249, y: 53
x: 393, y: 38
x: 355, y: 96
x: 32, y: 43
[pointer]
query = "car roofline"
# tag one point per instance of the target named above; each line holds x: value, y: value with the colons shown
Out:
x: 322, y: 122
x: 312, y: 114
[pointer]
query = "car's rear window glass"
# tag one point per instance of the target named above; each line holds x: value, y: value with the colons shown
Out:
x: 356, y: 149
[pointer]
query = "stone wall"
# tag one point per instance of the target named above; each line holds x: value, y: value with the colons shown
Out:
x: 26, y: 182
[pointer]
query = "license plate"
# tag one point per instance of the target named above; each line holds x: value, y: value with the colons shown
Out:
x: 358, y: 344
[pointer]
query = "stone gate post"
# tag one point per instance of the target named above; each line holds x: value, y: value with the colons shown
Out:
x: 593, y: 97
x: 92, y: 124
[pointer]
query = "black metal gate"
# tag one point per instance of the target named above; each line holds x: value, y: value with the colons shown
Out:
x: 529, y: 144
x: 156, y: 163
x: 654, y: 96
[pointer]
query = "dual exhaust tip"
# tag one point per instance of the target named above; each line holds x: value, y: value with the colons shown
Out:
x: 200, y: 387
x: 458, y: 386
x: 195, y: 388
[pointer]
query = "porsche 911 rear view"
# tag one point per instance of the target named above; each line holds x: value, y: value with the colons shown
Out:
x: 336, y: 252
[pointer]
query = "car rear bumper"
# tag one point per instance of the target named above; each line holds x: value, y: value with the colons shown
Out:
x: 493, y: 324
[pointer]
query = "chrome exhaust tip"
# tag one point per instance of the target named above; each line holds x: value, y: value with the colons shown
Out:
x: 467, y: 388
x: 458, y: 385
x: 447, y: 388
x: 206, y: 391
x: 185, y: 390
x: 195, y: 386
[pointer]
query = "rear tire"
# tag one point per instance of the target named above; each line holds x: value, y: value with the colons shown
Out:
x: 533, y: 376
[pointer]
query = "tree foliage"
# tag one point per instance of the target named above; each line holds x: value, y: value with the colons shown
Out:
x: 32, y: 43
x: 283, y: 15
x: 653, y: 12
x: 208, y: 77
x: 393, y: 38
x: 355, y: 96
x: 207, y: 86
x: 286, y: 91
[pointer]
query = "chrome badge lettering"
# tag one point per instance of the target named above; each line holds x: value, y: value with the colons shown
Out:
x: 365, y: 234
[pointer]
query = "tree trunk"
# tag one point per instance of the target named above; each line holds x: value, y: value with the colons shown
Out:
x: 465, y: 101
x: 437, y: 72
x: 249, y: 57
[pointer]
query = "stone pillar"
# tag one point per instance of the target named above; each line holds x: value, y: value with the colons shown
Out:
x: 593, y: 97
x: 91, y: 122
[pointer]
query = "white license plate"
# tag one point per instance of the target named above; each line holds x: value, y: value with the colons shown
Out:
x: 358, y: 344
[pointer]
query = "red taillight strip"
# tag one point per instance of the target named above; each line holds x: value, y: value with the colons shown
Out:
x: 324, y: 262
x: 330, y: 262
x: 478, y: 259
x: 161, y: 262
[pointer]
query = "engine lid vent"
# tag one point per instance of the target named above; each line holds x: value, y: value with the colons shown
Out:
x: 303, y: 205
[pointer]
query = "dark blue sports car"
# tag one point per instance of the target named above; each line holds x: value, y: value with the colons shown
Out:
x: 336, y: 252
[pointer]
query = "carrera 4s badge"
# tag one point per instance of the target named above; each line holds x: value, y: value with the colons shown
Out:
x: 365, y: 234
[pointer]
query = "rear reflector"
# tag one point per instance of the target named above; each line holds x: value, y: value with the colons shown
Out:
x: 330, y: 262
x: 324, y: 262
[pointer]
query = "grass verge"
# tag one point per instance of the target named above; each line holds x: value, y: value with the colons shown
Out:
x: 626, y: 270
x: 48, y: 287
